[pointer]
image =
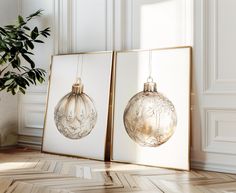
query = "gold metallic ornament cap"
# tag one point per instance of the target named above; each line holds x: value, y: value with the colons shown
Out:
x: 78, y: 87
x: 150, y: 86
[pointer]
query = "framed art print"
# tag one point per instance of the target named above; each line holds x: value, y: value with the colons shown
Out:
x: 151, y: 124
x: 76, y: 118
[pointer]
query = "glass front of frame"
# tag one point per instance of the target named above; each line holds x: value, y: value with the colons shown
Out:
x: 140, y: 143
x: 77, y: 114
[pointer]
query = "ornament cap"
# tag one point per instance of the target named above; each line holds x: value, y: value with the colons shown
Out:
x: 150, y: 86
x: 78, y: 87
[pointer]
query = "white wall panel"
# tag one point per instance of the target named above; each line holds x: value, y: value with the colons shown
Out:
x: 157, y: 23
x: 8, y: 103
x: 91, y: 25
x: 83, y: 25
x: 220, y: 131
x: 31, y: 114
x: 220, y: 42
x: 214, y: 115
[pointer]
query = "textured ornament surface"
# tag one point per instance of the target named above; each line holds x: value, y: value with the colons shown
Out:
x: 75, y: 115
x: 150, y: 119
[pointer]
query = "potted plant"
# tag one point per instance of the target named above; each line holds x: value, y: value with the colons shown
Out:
x: 17, y: 70
x: 16, y: 43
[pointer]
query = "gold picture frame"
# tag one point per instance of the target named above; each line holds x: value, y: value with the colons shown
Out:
x: 186, y: 165
x: 46, y: 147
x: 108, y: 147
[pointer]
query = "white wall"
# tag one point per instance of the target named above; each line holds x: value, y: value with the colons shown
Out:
x: 8, y: 103
x: 94, y: 25
x: 32, y: 105
x: 214, y: 118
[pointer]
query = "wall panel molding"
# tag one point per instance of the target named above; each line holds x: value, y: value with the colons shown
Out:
x: 70, y: 21
x: 62, y: 10
x: 31, y: 114
x: 219, y: 133
x: 213, y: 83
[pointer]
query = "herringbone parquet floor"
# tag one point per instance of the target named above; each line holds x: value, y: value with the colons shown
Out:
x: 34, y: 172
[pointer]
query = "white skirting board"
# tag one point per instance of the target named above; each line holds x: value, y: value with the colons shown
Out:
x: 213, y: 167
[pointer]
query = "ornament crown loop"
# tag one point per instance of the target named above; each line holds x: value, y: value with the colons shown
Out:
x: 150, y: 86
x: 78, y: 87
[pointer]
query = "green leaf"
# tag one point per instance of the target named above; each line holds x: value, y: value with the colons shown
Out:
x: 20, y: 19
x: 30, y: 44
x: 3, y: 31
x: 27, y: 58
x: 37, y: 13
x: 22, y: 90
x: 9, y: 27
x: 24, y: 36
x: 32, y: 76
x: 38, y: 41
x: 35, y: 33
x: 30, y: 80
x: 18, y: 40
x: 16, y: 63
x: 20, y: 83
x: 18, y: 44
x: 26, y: 28
x: 25, y: 81
x: 15, y: 89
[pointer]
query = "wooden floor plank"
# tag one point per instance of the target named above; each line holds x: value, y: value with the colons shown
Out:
x: 35, y: 172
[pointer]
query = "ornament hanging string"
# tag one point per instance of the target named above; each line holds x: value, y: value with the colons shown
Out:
x: 79, y: 65
x: 150, y: 79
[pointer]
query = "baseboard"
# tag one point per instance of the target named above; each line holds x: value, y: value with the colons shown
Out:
x: 33, y: 142
x: 213, y: 167
x: 31, y: 146
x: 8, y: 147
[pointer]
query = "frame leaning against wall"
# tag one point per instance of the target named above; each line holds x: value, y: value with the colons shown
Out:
x: 109, y: 145
x: 131, y: 146
x: 47, y: 147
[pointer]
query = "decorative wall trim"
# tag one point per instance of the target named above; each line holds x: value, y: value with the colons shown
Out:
x: 213, y: 84
x: 74, y: 26
x: 109, y: 17
x: 31, y: 119
x: 212, y: 142
x: 66, y: 26
x: 129, y: 21
x: 119, y: 24
x: 56, y: 25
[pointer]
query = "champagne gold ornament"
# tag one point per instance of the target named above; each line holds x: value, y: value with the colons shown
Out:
x: 75, y: 115
x: 149, y: 117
